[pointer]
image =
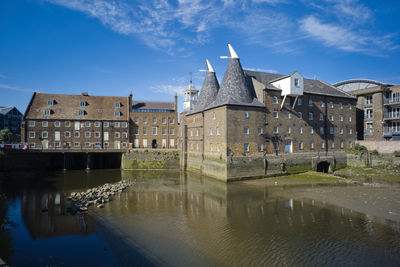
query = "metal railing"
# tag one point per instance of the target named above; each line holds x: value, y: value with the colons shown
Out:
x: 391, y: 130
x: 392, y: 115
x: 394, y: 100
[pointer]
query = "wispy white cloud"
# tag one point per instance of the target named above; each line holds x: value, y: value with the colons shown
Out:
x: 169, y: 89
x: 271, y: 2
x: 262, y: 70
x: 344, y: 38
x: 15, y: 88
x: 2, y: 76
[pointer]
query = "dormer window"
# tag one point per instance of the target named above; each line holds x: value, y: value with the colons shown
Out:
x: 117, y: 113
x: 117, y: 104
x: 47, y: 112
x: 50, y: 102
x: 83, y: 104
x: 81, y: 112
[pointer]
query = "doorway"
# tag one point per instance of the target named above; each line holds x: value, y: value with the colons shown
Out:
x: 154, y: 143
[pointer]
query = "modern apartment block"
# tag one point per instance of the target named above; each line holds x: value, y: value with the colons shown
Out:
x: 379, y: 104
x: 10, y: 118
x: 83, y: 121
x: 154, y: 124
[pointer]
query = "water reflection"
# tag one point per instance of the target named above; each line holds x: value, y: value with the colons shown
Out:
x: 186, y: 219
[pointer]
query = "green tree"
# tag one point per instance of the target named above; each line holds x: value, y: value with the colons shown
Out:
x: 5, y: 136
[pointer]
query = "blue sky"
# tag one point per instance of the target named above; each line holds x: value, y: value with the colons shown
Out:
x: 150, y: 46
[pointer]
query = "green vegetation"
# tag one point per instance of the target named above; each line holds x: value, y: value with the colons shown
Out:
x: 375, y: 152
x: 357, y: 149
x: 298, y: 169
x: 397, y: 153
x: 370, y: 175
x: 312, y: 175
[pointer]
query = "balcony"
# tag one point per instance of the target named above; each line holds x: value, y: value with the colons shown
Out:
x: 389, y: 131
x: 391, y: 101
x: 392, y: 115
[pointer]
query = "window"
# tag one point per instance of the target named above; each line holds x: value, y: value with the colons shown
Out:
x: 321, y: 116
x: 246, y: 130
x: 144, y: 130
x: 321, y: 104
x: 117, y: 124
x: 87, y: 144
x: 211, y: 147
x: 312, y: 145
x: 260, y: 130
x: 96, y: 124
x: 135, y: 130
x: 332, y: 145
x: 218, y: 148
x: 57, y: 124
x: 45, y: 134
x: 246, y: 147
x: 171, y: 121
x: 296, y: 82
x: 45, y: 124
x: 350, y: 131
x: 31, y: 145
x: 214, y: 116
x: 117, y: 134
x: 97, y: 134
x: 350, y: 144
x: 246, y: 115
x: 47, y: 112
x: 341, y: 130
x: 300, y: 130
x: 331, y: 117
x: 191, y: 133
x: 31, y: 123
x: 288, y: 115
x: 322, y: 145
x: 144, y: 120
x: 331, y: 104
x: 81, y: 112
x: 197, y: 146
x: 67, y: 124
x: 276, y: 129
x: 31, y: 134
x: 117, y: 104
x: 154, y: 120
x: 310, y: 116
x: 340, y: 117
x: 164, y: 120
x: 87, y: 134
x: 260, y: 148
x: 77, y: 134
x: 301, y: 146
x: 171, y: 131
x: 299, y: 102
x: 275, y: 114
x: 321, y: 130
x: 77, y: 144
x: 349, y: 106
x: 136, y: 120
x: 368, y: 100
x: 340, y: 105
x: 106, y: 144
x: 341, y: 144
x: 369, y: 114
x: 349, y: 118
x: 300, y: 115
x: 163, y: 130
x: 197, y: 132
x: 50, y: 102
x: 331, y: 130
x: 310, y: 103
x: 311, y: 130
x: 211, y: 131
x: 82, y: 104
x: 288, y: 130
x: 67, y: 134
x: 154, y: 130
x: 106, y: 124
x: 275, y: 100
x: 87, y: 123
x: 117, y: 113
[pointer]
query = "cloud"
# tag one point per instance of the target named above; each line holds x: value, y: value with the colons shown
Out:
x: 262, y: 70
x: 2, y: 76
x: 169, y: 89
x: 271, y: 2
x: 344, y: 38
x: 14, y: 88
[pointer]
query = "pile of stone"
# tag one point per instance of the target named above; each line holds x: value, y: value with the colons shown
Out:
x: 97, y: 196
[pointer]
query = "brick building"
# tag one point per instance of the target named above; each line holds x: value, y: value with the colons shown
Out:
x: 379, y: 104
x: 55, y: 121
x: 10, y: 118
x: 154, y: 124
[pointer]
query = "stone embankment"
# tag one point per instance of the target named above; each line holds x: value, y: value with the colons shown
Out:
x: 98, y: 196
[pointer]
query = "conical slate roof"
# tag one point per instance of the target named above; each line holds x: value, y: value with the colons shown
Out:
x: 209, y: 90
x: 235, y: 89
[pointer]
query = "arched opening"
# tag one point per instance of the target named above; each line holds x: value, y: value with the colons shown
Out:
x: 154, y: 143
x: 323, y: 166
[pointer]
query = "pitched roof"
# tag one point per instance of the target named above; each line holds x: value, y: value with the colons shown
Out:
x: 5, y: 110
x: 153, y: 105
x: 235, y: 89
x: 310, y: 86
x: 66, y: 107
x: 208, y: 92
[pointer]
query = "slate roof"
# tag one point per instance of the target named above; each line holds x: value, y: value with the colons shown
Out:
x: 310, y: 86
x: 5, y: 110
x: 153, y: 105
x: 235, y: 89
x: 208, y: 92
x: 66, y: 107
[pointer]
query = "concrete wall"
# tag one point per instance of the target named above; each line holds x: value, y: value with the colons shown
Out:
x: 150, y: 159
x: 381, y: 160
x: 381, y: 146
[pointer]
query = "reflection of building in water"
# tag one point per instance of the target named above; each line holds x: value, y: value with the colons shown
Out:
x: 44, y: 214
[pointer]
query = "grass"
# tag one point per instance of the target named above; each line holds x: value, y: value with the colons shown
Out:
x: 378, y: 175
x: 312, y: 175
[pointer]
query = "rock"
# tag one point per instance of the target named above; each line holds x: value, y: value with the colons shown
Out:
x: 100, y: 206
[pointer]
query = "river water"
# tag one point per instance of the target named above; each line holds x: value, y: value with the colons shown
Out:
x: 183, y: 219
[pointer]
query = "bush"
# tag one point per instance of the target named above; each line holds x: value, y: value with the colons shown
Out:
x: 397, y: 153
x: 375, y: 152
x: 357, y: 149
